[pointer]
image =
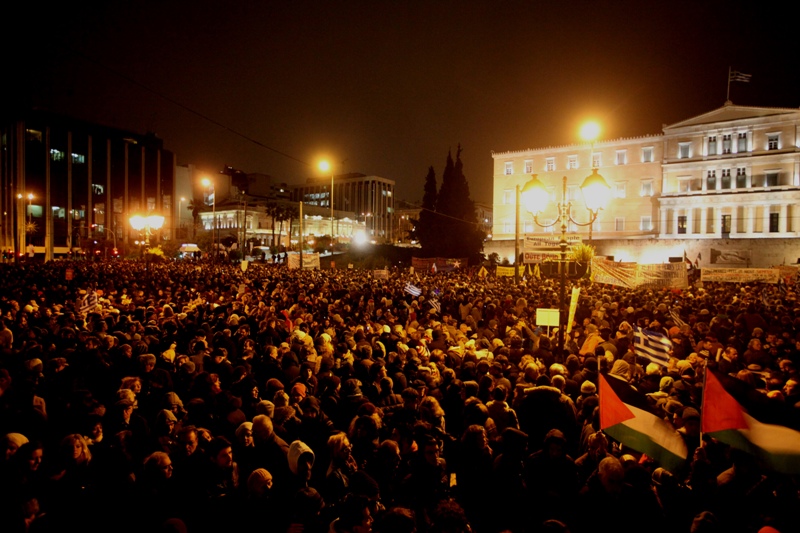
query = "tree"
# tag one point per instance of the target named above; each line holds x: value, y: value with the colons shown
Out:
x: 273, y: 211
x: 425, y: 226
x: 195, y: 206
x: 450, y: 228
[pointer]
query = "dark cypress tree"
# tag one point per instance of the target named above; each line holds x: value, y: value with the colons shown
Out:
x: 457, y: 220
x: 424, y: 227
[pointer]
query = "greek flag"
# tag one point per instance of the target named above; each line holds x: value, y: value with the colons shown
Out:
x: 735, y: 75
x: 412, y: 289
x: 436, y: 305
x: 651, y: 345
x: 89, y: 302
x: 676, y: 318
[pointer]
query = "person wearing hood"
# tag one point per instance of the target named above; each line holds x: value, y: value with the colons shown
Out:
x: 301, y: 463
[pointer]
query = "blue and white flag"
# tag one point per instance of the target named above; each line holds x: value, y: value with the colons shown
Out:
x: 676, y: 318
x: 436, y: 305
x: 652, y: 345
x: 89, y: 302
x: 413, y: 290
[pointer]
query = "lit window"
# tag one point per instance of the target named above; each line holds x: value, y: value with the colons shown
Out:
x: 647, y: 154
x: 508, y: 196
x: 711, y: 180
x: 772, y: 178
x: 773, y: 141
x: 56, y: 155
x: 97, y: 188
x: 622, y: 157
x: 684, y: 150
x: 78, y: 159
x: 572, y: 161
x: 528, y: 166
x: 619, y: 190
x: 509, y: 168
x: 742, y: 142
x: 741, y: 178
x: 682, y: 224
x: 712, y: 145
x: 619, y: 224
x: 726, y: 144
x: 725, y: 182
x: 596, y: 160
x: 550, y: 164
x: 684, y: 184
x: 646, y: 223
x: 647, y: 188
x: 33, y: 135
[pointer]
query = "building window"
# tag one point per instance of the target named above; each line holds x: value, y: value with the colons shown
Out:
x: 771, y: 178
x: 619, y: 190
x: 572, y: 161
x: 573, y: 193
x: 773, y: 141
x: 726, y: 144
x: 725, y: 182
x: 619, y: 224
x: 97, y: 188
x: 596, y: 160
x: 647, y: 188
x: 684, y: 184
x: 773, y: 222
x: 647, y: 154
x: 508, y: 196
x: 741, y: 178
x: 509, y: 168
x: 78, y: 159
x: 684, y: 150
x: 711, y: 180
x: 528, y: 166
x: 56, y: 155
x: 646, y: 223
x: 33, y: 135
x: 550, y: 164
x: 622, y: 157
x: 726, y: 224
x: 741, y: 142
x: 682, y: 225
x: 712, y: 145
x: 507, y: 227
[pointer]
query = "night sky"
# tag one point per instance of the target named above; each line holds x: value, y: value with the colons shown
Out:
x: 387, y: 88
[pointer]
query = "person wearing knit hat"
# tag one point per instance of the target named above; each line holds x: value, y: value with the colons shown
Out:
x: 12, y: 442
x: 259, y: 484
x: 588, y: 388
x: 298, y: 393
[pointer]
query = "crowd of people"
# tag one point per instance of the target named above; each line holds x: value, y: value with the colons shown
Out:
x: 197, y: 396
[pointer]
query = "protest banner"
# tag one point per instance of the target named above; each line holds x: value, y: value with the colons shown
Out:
x: 504, y: 272
x: 740, y: 275
x: 635, y: 276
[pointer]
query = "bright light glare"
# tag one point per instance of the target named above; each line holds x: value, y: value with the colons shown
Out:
x: 206, y: 182
x: 590, y: 131
x: 324, y: 166
x: 360, y: 237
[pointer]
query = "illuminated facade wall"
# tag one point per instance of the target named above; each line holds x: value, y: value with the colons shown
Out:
x: 632, y: 167
x: 732, y: 173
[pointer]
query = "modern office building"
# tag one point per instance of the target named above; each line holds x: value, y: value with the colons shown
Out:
x: 371, y: 198
x: 708, y: 183
x: 68, y: 184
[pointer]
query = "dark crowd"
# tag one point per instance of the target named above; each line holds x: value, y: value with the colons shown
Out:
x: 204, y: 397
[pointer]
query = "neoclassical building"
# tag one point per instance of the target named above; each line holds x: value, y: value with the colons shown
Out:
x: 730, y: 174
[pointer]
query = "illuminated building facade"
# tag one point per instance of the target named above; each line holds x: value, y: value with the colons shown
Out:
x: 371, y: 198
x: 723, y: 177
x: 84, y: 182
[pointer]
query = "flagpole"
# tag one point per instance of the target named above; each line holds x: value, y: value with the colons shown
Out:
x: 728, y: 93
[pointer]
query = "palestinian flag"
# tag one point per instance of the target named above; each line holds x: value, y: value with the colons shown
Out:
x: 625, y: 416
x: 724, y: 418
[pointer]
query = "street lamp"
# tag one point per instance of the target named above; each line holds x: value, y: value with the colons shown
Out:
x: 535, y: 198
x: 210, y: 184
x: 325, y: 166
x: 147, y: 225
x: 180, y: 210
x: 590, y: 131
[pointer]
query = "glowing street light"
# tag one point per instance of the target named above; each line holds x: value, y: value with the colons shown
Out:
x: 325, y: 166
x: 535, y: 198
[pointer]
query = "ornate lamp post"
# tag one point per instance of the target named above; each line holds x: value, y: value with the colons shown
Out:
x: 535, y: 198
